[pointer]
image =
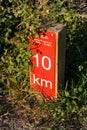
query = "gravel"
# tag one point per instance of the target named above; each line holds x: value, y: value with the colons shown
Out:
x: 10, y: 122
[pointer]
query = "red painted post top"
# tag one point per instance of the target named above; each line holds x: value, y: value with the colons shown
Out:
x: 44, y: 73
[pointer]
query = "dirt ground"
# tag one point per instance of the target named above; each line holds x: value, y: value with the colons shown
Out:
x: 12, y: 121
x: 9, y: 121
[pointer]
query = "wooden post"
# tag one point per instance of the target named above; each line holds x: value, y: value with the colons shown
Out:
x: 48, y: 61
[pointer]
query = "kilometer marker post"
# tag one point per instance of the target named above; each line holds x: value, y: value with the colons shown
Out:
x: 48, y: 61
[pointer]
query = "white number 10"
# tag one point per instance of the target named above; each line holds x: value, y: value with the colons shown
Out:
x: 48, y: 67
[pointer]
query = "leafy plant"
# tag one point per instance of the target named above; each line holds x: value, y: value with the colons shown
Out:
x: 16, y: 17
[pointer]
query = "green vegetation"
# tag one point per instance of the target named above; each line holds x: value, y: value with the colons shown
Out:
x: 15, y: 17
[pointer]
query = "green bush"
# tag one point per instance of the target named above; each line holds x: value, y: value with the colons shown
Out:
x: 16, y: 16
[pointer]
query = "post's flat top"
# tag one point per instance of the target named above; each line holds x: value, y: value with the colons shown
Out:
x: 56, y: 27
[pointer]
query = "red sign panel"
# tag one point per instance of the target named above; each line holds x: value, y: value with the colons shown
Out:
x: 42, y: 74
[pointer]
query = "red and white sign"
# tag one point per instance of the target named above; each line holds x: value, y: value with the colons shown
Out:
x: 42, y: 74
